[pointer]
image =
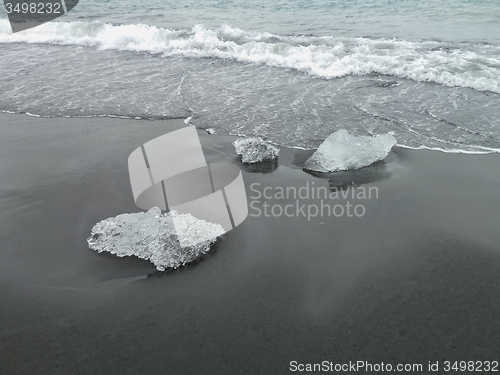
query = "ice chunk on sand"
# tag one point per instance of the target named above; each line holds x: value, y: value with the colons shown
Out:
x: 342, y: 151
x: 168, y: 240
x: 255, y: 150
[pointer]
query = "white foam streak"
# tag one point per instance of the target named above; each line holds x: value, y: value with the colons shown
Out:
x: 455, y: 151
x: 474, y: 66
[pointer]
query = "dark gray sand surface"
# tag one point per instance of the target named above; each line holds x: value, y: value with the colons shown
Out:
x: 416, y: 279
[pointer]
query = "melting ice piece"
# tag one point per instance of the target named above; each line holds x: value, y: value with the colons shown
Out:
x: 342, y: 151
x: 255, y: 150
x: 168, y: 240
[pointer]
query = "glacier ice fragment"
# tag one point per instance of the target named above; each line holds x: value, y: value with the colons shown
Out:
x: 255, y: 150
x: 342, y: 151
x: 168, y: 240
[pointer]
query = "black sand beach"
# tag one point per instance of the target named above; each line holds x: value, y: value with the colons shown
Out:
x: 416, y: 279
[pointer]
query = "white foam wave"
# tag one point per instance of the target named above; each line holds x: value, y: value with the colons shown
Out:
x: 481, y: 151
x: 465, y: 65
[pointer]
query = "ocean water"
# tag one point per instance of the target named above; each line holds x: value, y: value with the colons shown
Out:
x: 290, y: 71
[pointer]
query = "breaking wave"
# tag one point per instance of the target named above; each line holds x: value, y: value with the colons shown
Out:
x: 470, y: 65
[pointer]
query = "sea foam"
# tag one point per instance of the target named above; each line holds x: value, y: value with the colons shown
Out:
x: 464, y: 65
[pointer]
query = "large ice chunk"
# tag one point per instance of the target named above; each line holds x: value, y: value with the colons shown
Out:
x: 342, y: 151
x: 168, y: 240
x: 255, y: 150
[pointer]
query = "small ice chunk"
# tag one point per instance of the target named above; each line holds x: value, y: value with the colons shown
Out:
x: 168, y: 240
x: 342, y: 151
x: 255, y: 150
x: 188, y: 120
x: 210, y: 131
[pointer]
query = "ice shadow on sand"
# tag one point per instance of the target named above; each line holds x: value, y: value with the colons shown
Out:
x: 262, y: 167
x: 343, y: 180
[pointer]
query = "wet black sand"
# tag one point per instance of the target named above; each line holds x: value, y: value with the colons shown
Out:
x: 416, y: 279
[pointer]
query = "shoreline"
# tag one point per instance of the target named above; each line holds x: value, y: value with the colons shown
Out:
x: 413, y: 280
x: 184, y: 119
